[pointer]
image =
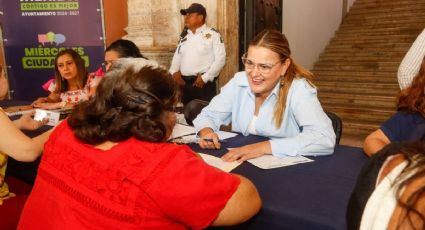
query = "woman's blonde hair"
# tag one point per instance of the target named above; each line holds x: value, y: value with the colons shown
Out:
x: 277, y: 42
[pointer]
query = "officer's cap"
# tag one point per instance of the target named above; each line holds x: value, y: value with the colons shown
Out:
x: 194, y: 8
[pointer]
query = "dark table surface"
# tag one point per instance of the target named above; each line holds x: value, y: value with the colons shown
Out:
x: 305, y: 196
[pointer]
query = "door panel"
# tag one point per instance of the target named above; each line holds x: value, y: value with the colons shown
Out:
x: 254, y: 17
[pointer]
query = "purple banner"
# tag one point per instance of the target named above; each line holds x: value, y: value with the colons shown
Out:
x: 35, y: 31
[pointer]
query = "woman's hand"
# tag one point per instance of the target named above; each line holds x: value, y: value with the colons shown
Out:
x: 247, y: 152
x: 209, y: 139
x: 28, y: 123
x: 39, y: 100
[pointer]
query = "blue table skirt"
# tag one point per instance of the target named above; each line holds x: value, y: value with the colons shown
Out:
x: 304, y: 196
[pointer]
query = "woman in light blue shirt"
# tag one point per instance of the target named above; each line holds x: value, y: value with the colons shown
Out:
x: 273, y: 97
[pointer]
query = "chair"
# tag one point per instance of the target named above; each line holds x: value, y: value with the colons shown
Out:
x: 336, y: 124
x: 192, y: 109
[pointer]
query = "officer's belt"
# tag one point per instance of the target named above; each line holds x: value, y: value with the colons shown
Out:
x: 190, y: 78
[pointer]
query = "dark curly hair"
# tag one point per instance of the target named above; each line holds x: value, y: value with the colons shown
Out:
x: 412, y: 99
x: 132, y: 100
x: 414, y: 171
x: 125, y: 48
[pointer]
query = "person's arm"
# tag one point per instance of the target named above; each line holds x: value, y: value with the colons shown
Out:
x: 16, y: 144
x: 52, y: 98
x: 411, y: 63
x: 219, y: 59
x: 201, y: 194
x: 243, y: 205
x: 53, y: 101
x: 26, y: 122
x: 93, y: 81
x: 175, y: 67
x: 219, y: 111
x: 175, y: 62
x: 316, y: 136
x: 4, y: 84
x: 247, y: 152
x: 375, y: 142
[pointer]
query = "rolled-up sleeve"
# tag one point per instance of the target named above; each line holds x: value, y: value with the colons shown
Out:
x: 411, y: 63
x: 219, y: 59
x: 316, y: 136
x: 219, y: 110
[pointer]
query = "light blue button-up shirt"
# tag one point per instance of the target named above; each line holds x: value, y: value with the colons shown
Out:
x: 305, y: 130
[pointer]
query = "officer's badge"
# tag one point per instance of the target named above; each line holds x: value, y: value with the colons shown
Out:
x: 208, y: 36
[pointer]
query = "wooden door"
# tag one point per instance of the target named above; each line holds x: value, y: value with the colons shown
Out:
x: 254, y: 17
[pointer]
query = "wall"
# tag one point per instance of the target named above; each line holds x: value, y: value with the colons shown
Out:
x: 116, y: 19
x: 309, y: 25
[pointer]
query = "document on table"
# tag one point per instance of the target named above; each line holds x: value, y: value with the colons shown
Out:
x: 224, y: 135
x: 219, y: 163
x: 188, y: 134
x: 182, y: 131
x: 270, y: 161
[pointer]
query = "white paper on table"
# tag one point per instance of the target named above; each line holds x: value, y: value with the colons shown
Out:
x: 270, y: 161
x: 224, y: 135
x: 188, y: 135
x: 182, y: 130
x: 180, y: 119
x: 219, y: 163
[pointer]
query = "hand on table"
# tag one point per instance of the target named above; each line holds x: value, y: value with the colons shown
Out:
x: 28, y: 123
x: 247, y: 152
x: 39, y: 100
x: 209, y: 139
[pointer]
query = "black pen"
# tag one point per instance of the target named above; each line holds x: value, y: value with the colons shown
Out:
x: 211, y: 140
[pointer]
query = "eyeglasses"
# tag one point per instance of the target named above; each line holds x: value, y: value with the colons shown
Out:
x: 264, y: 68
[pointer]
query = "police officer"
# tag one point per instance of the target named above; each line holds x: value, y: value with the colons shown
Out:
x: 199, y: 57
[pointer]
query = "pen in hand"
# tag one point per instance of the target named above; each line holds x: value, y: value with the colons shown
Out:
x: 211, y: 140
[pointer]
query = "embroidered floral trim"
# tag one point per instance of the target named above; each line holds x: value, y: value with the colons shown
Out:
x: 87, y: 201
x: 109, y: 182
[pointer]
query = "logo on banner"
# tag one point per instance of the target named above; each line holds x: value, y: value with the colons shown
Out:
x: 49, y: 7
x: 43, y: 56
x: 52, y: 38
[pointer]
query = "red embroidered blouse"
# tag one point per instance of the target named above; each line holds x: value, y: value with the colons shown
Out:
x: 134, y: 185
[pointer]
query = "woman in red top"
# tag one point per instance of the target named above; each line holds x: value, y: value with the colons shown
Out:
x: 109, y: 167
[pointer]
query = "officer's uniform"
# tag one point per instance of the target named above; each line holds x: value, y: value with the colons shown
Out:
x: 200, y: 52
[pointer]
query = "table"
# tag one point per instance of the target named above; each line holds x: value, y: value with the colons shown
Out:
x: 304, y: 196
